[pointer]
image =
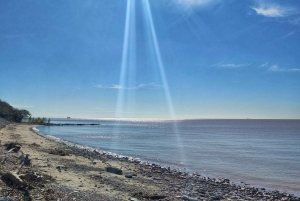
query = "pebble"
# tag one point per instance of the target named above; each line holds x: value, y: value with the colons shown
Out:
x: 2, y: 198
x: 128, y: 175
x: 187, y: 198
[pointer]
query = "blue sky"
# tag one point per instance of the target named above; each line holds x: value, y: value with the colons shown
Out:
x: 151, y: 58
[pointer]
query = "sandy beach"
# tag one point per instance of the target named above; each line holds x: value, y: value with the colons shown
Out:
x: 36, y: 168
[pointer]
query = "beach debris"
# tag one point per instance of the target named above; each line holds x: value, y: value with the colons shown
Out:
x: 13, y: 147
x: 114, y: 170
x: 24, y: 158
x: 31, y: 177
x: 13, y: 178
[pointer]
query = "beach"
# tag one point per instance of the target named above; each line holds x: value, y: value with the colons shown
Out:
x: 56, y: 171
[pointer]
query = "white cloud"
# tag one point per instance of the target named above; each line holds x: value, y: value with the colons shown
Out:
x: 108, y: 87
x: 295, y: 70
x: 289, y: 34
x: 275, y: 68
x: 263, y: 65
x: 269, y: 10
x: 230, y: 65
x: 195, y: 3
x: 137, y: 86
x: 151, y: 85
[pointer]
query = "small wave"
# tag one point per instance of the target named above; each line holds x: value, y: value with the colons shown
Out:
x: 100, y: 136
x: 87, y: 148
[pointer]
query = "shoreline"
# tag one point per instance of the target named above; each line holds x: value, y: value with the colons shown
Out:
x: 86, y: 171
x: 238, y: 175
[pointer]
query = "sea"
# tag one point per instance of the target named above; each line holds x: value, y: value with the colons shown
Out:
x: 260, y: 153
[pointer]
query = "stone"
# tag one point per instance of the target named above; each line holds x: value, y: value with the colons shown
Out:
x: 2, y: 198
x: 114, y: 170
x: 128, y: 175
x: 157, y: 197
x: 187, y: 198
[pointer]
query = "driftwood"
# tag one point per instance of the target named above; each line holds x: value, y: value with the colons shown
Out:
x: 14, y: 178
x: 13, y: 147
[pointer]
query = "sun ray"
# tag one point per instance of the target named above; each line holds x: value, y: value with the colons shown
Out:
x: 127, y: 74
x: 128, y: 65
x: 158, y: 57
x: 150, y: 24
x: 120, y: 100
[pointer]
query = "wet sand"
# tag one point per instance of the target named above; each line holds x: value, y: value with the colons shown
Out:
x: 56, y: 171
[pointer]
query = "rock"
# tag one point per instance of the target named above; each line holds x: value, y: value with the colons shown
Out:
x: 59, y: 152
x: 61, y: 167
x: 216, y: 197
x: 133, y: 199
x: 114, y: 170
x: 185, y: 197
x: 2, y: 198
x: 156, y: 197
x: 128, y: 175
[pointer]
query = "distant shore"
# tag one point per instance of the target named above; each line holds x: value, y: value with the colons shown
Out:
x: 58, y: 171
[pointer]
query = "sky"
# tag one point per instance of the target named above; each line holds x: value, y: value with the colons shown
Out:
x: 162, y: 59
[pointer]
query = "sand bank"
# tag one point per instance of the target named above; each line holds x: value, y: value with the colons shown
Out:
x: 58, y: 171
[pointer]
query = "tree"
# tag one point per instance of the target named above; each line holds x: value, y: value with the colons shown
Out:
x: 17, y: 115
x: 12, y: 114
x: 5, y: 109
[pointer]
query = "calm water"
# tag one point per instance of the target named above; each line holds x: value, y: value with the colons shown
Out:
x: 263, y: 153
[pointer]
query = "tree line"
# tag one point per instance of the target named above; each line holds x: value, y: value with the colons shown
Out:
x: 10, y: 113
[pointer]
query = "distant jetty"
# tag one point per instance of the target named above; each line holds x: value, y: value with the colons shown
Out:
x: 50, y: 124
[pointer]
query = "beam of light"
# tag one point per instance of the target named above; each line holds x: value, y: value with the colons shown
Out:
x: 128, y: 56
x: 126, y: 98
x: 158, y: 57
x: 150, y: 24
x: 130, y: 104
x: 128, y: 64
